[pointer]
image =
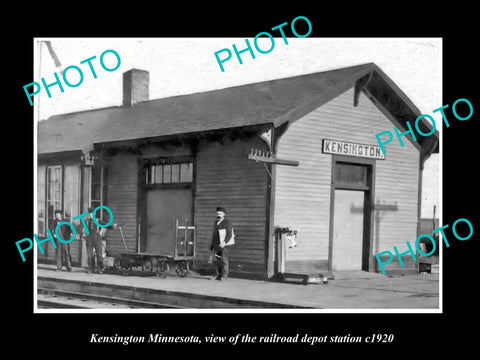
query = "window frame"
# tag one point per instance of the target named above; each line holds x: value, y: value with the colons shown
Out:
x: 42, y: 200
x: 98, y: 166
x: 149, y: 174
x: 348, y: 184
x: 49, y: 216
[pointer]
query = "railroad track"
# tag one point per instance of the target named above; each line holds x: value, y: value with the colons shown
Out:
x: 61, y: 299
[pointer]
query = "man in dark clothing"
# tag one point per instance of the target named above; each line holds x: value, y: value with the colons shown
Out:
x: 94, y: 241
x: 62, y: 254
x: 222, y: 237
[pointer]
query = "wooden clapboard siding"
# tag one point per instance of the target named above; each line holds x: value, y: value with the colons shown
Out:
x: 225, y: 177
x: 123, y: 191
x: 122, y: 201
x: 303, y: 192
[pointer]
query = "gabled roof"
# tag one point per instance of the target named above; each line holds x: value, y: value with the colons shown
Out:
x: 276, y: 102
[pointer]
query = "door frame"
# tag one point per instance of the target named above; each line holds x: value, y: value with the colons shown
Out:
x: 143, y: 187
x: 368, y: 218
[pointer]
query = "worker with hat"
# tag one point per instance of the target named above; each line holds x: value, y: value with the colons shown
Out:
x: 222, y: 238
x: 94, y: 234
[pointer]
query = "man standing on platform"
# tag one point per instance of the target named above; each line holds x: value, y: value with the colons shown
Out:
x: 94, y: 241
x: 222, y: 238
x: 62, y: 254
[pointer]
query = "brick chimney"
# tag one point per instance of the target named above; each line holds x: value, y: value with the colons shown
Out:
x: 135, y: 86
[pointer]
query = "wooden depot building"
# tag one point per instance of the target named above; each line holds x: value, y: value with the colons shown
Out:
x: 297, y: 153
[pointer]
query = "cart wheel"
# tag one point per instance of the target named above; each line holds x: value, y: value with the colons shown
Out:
x: 126, y: 271
x: 162, y: 270
x: 162, y: 275
x: 182, y: 269
x: 181, y: 272
x: 164, y: 267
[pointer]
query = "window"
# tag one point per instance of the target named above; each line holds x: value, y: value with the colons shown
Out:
x: 186, y: 172
x: 41, y: 200
x: 58, y: 188
x: 54, y: 192
x: 350, y: 174
x: 71, y: 192
x: 167, y: 174
x: 174, y: 173
x: 97, y: 188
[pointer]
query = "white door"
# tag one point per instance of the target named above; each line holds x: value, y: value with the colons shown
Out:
x: 347, y: 230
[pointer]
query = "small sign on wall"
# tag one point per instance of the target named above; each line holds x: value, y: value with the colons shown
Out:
x: 352, y: 149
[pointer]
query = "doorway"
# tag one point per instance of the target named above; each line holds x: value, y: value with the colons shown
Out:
x: 165, y: 208
x: 166, y: 200
x: 347, y: 239
x: 351, y: 214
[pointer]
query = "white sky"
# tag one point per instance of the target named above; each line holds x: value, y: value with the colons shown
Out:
x: 188, y: 65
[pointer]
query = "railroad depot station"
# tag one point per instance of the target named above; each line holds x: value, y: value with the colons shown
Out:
x: 294, y: 162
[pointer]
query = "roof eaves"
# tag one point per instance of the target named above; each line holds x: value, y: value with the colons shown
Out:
x: 413, y: 112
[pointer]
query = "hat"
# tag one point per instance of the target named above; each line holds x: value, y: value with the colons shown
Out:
x: 221, y: 209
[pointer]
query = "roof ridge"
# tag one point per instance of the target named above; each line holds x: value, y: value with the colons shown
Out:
x: 53, y: 117
x: 371, y: 64
x: 272, y: 101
